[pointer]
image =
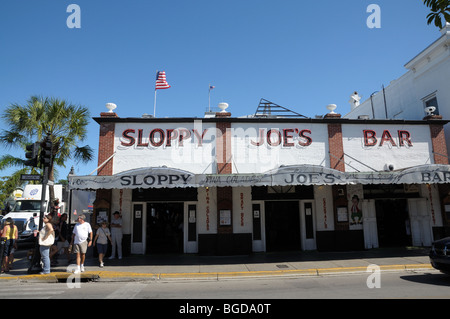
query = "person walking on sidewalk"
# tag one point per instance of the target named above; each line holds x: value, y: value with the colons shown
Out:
x: 101, y: 238
x: 116, y: 234
x: 11, y: 234
x: 81, y: 240
x: 46, y: 240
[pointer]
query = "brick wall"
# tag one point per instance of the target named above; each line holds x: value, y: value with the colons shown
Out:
x: 105, y: 150
x: 224, y: 166
x: 439, y: 144
x: 336, y: 146
x: 106, y: 146
x: 223, y: 145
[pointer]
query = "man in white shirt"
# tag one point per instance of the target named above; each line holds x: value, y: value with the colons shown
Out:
x: 116, y: 235
x: 81, y: 232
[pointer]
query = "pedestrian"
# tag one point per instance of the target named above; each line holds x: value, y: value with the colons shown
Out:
x: 116, y: 235
x: 46, y: 240
x: 11, y: 255
x: 61, y: 238
x: 81, y: 240
x: 10, y: 234
x: 101, y: 238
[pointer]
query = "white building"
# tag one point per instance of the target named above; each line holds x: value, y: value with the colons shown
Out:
x: 426, y: 83
x: 224, y: 185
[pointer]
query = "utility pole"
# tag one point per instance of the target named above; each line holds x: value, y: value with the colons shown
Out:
x: 45, y: 162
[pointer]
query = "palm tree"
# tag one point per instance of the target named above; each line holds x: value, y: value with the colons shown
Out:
x: 63, y: 122
x: 438, y: 8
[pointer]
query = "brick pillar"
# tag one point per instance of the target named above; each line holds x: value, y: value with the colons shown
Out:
x: 223, y: 145
x: 440, y: 155
x: 336, y: 149
x: 336, y: 146
x: 438, y: 140
x: 105, y: 150
x: 106, y: 145
x: 224, y: 166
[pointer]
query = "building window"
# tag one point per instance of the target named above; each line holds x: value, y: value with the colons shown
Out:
x: 431, y: 100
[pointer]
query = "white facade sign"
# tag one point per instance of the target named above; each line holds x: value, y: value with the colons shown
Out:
x: 263, y: 147
x: 169, y: 155
x: 188, y: 146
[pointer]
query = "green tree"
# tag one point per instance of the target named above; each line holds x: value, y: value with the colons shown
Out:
x: 439, y: 9
x: 65, y: 123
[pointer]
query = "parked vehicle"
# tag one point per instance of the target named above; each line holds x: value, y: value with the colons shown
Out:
x: 26, y: 210
x: 440, y: 255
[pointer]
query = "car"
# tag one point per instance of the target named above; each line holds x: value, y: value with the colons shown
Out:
x: 440, y: 255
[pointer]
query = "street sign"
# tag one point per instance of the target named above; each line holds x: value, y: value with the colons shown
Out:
x: 30, y: 177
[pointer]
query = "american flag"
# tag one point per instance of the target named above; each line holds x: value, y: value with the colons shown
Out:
x: 161, y: 82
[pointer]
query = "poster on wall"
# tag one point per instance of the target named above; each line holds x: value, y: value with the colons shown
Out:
x: 102, y: 216
x: 225, y: 217
x: 355, y: 212
x: 342, y: 215
x: 355, y: 195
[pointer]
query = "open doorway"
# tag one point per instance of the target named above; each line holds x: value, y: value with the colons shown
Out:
x: 282, y: 223
x: 164, y: 228
x: 393, y: 222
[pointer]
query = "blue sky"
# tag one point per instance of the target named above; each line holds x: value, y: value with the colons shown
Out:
x: 302, y: 55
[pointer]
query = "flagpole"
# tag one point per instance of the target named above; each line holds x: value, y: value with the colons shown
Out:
x: 154, y: 106
x: 209, y: 98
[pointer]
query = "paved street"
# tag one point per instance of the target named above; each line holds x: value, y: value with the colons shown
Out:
x: 422, y: 285
x: 174, y: 267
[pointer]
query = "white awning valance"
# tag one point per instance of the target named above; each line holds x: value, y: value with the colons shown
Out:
x: 163, y: 177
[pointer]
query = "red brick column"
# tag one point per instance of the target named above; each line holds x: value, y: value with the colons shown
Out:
x: 105, y: 150
x: 440, y: 157
x: 439, y: 144
x: 336, y: 146
x: 106, y: 145
x: 224, y: 166
x: 336, y: 149
x: 223, y: 145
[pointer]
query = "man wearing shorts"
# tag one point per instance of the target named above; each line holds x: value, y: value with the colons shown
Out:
x: 81, y: 232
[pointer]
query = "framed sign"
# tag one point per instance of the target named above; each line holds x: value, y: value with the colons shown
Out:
x: 191, y: 216
x: 225, y: 217
x: 102, y: 216
x: 342, y: 214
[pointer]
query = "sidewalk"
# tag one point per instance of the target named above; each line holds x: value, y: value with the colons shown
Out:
x: 191, y: 267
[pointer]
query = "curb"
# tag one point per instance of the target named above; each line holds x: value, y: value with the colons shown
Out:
x: 132, y: 276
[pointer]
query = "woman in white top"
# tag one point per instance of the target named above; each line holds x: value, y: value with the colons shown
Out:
x: 101, y: 238
x: 46, y: 240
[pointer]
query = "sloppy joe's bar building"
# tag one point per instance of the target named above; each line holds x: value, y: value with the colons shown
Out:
x: 224, y: 185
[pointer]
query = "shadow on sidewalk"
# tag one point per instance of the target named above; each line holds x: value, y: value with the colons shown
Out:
x: 21, y: 263
x: 268, y: 257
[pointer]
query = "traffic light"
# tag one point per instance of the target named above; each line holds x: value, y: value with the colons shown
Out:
x: 32, y: 154
x: 46, y: 152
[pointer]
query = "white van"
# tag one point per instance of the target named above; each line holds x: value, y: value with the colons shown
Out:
x: 26, y: 210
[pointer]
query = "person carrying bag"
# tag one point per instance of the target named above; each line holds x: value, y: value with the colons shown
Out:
x: 46, y: 240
